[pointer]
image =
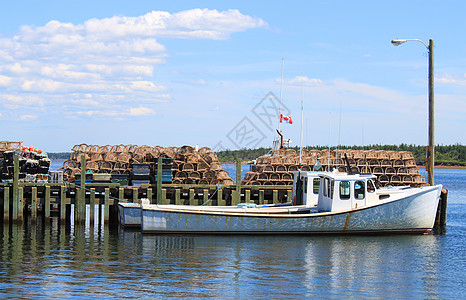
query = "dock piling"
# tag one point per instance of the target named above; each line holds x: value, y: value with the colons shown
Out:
x: 6, y: 205
x: 47, y: 203
x: 159, y: 180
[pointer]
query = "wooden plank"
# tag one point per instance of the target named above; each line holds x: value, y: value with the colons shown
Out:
x: 47, y: 202
x: 178, y: 197
x: 6, y: 204
x: 34, y: 204
x: 261, y: 197
x: 92, y: 207
x: 106, y: 205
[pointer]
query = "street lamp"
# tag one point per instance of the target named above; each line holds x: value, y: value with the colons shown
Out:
x: 431, y: 147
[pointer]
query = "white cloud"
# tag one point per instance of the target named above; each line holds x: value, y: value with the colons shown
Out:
x: 114, y: 60
x: 140, y: 111
x: 450, y: 79
x: 27, y: 117
x: 304, y: 80
x: 130, y: 112
x: 11, y: 101
x: 147, y: 86
x: 5, y: 80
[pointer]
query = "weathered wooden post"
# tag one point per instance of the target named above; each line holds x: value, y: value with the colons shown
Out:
x: 159, y: 181
x: 62, y: 204
x: 34, y: 204
x: 206, y: 197
x: 135, y: 194
x: 275, y: 196
x: 150, y: 195
x: 6, y: 205
x: 247, y: 196
x: 236, y: 195
x: 441, y: 217
x: 80, y: 203
x: 191, y: 197
x: 261, y: 197
x: 16, y: 201
x: 92, y: 207
x: 20, y: 203
x: 220, y: 200
x: 107, y: 206
x: 178, y: 197
x: 47, y: 204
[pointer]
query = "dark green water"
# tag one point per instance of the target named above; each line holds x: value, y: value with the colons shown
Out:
x: 52, y: 261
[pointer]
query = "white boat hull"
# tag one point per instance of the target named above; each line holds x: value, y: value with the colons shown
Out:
x: 414, y: 213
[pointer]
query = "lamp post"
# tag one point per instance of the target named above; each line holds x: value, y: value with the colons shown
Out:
x: 431, y: 147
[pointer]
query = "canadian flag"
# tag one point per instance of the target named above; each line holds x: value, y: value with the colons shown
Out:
x: 286, y: 119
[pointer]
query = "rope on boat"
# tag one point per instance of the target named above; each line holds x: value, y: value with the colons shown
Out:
x: 218, y: 187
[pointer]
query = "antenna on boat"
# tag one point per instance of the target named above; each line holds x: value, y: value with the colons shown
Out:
x: 329, y: 135
x: 302, y: 118
x: 339, y: 134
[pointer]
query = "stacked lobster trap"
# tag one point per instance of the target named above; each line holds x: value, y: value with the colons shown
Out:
x: 390, y: 167
x: 189, y: 165
x: 33, y: 163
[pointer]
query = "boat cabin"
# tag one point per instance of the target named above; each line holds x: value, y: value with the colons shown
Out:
x: 306, y: 186
x: 340, y: 191
x: 333, y: 191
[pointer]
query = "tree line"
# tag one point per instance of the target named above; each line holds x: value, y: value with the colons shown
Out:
x: 445, y: 155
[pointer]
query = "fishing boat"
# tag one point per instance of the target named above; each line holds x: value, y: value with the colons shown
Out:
x: 346, y: 204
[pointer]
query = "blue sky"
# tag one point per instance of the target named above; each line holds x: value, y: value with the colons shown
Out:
x: 175, y: 73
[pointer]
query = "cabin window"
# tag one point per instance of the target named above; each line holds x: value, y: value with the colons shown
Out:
x: 316, y: 185
x: 325, y: 190
x: 370, y: 186
x: 305, y: 185
x: 344, y: 190
x: 330, y: 192
x: 359, y: 188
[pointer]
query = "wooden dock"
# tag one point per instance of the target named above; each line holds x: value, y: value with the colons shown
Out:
x: 43, y: 200
x: 47, y: 199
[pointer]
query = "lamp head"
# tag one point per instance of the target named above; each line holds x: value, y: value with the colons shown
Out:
x: 398, y: 42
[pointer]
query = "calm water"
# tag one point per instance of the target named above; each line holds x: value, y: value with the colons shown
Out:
x: 58, y: 262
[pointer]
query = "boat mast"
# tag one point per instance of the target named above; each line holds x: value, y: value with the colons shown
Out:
x: 339, y: 134
x: 329, y: 135
x: 302, y: 121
